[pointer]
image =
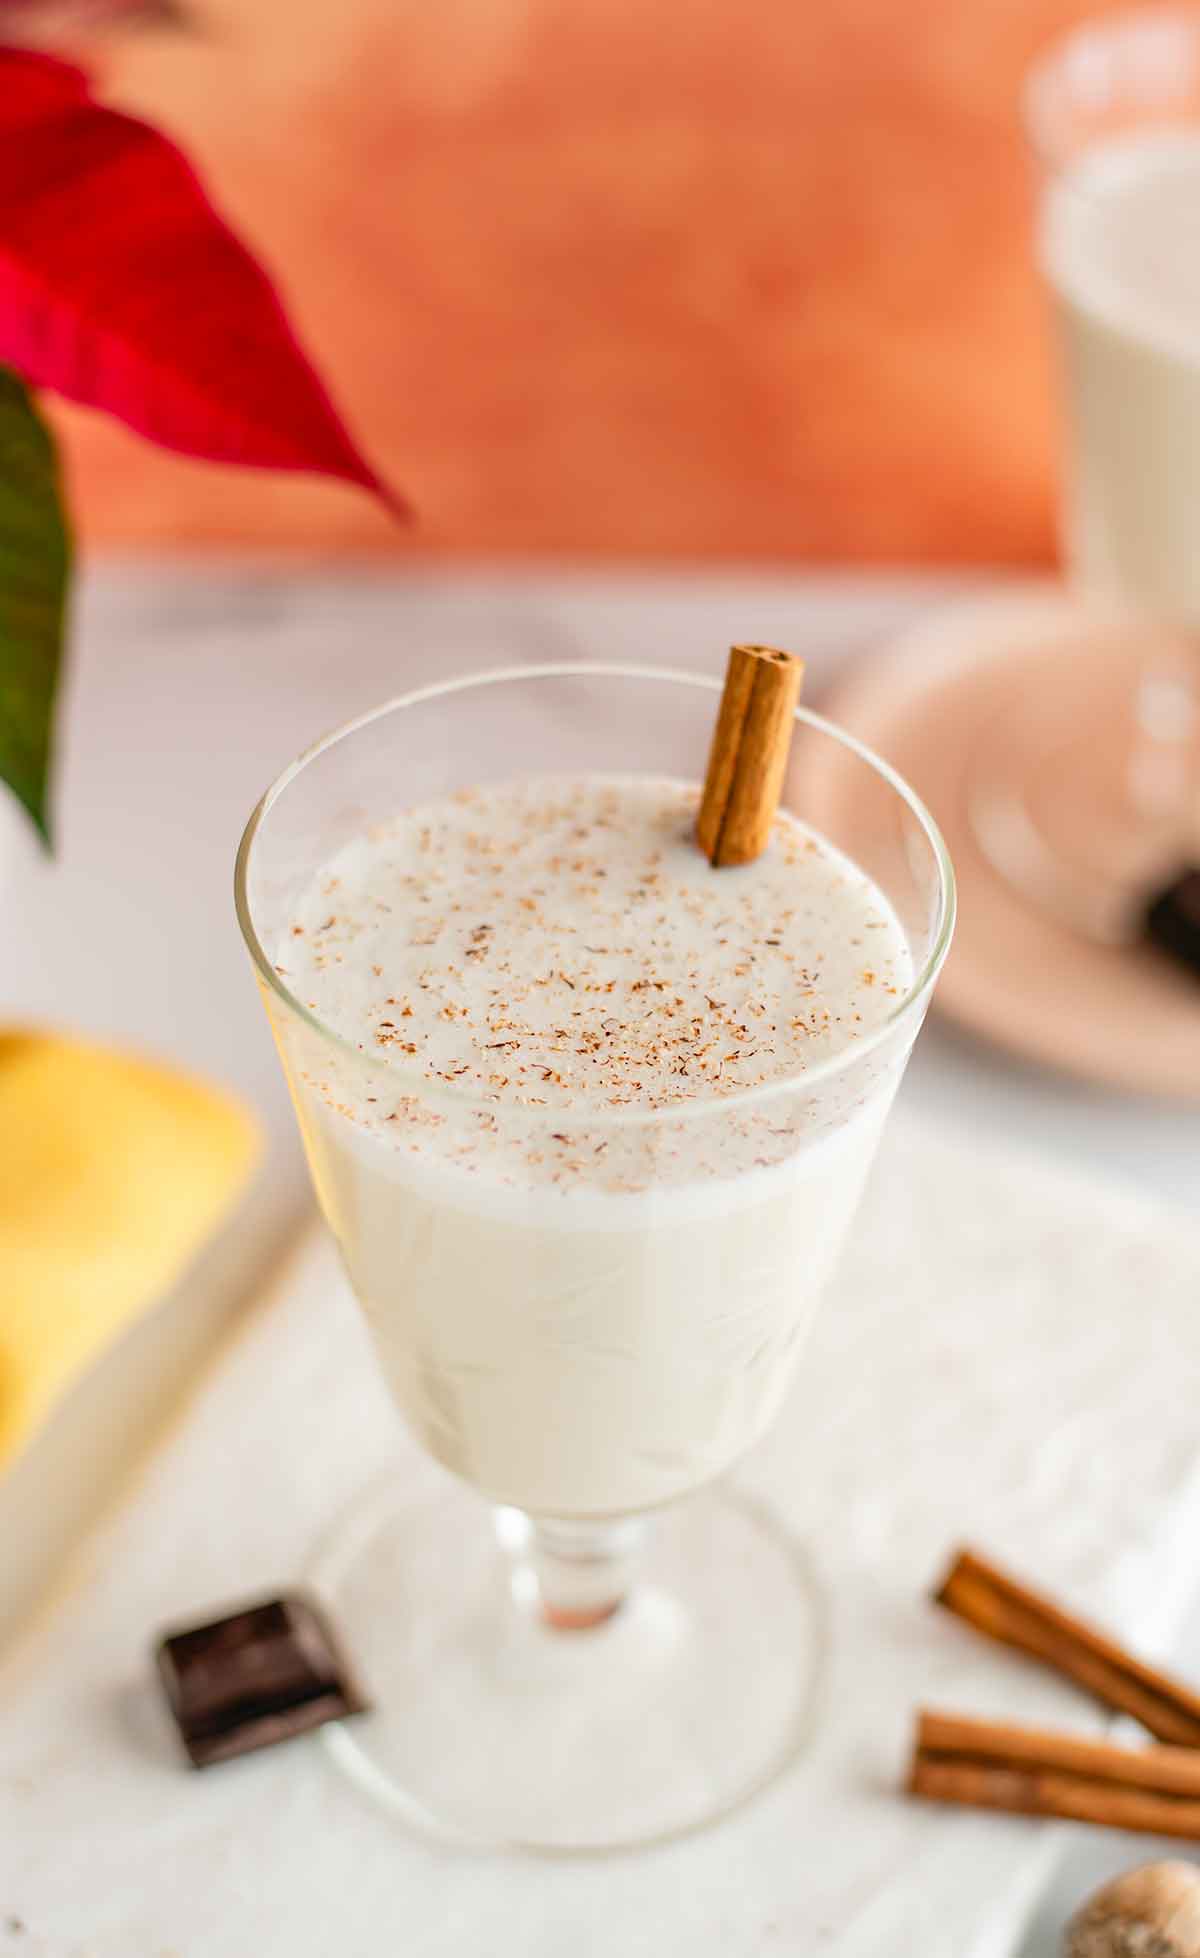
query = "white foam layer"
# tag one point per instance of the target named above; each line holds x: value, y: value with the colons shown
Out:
x: 685, y: 1189
x: 560, y: 954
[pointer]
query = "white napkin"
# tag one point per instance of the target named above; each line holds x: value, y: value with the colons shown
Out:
x: 1009, y: 1354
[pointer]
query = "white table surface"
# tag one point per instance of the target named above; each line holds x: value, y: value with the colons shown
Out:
x: 192, y: 685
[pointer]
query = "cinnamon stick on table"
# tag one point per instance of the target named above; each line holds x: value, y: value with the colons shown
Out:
x: 984, y: 1764
x: 1007, y: 1610
x: 746, y: 765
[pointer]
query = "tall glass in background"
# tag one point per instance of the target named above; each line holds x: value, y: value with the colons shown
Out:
x: 582, y: 1659
x: 1089, y: 797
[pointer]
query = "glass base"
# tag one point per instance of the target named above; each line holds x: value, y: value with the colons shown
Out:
x: 1083, y: 794
x: 501, y: 1719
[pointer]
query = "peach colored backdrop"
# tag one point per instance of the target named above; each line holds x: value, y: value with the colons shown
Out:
x: 601, y: 279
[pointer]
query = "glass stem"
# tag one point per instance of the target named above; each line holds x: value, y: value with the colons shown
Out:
x: 574, y: 1574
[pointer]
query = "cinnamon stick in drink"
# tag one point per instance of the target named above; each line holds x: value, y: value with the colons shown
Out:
x: 1005, y: 1609
x: 746, y: 765
x: 1028, y: 1771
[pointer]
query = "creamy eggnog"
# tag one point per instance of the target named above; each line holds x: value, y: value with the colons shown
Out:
x: 578, y: 1137
x: 1120, y: 242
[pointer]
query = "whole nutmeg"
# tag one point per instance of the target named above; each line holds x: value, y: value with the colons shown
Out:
x: 1151, y: 1912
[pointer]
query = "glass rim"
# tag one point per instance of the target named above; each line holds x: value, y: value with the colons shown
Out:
x: 411, y: 1079
x: 1045, y: 72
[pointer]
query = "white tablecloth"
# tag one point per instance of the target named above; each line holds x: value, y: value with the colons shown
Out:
x: 1009, y: 1354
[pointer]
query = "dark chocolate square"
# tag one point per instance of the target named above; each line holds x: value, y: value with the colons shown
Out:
x: 259, y: 1676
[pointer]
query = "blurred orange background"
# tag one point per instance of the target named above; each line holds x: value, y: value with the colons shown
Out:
x: 599, y: 281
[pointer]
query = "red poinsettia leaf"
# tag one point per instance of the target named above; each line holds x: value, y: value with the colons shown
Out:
x: 122, y: 288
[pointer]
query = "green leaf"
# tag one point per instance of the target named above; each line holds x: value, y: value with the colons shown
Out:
x: 34, y: 561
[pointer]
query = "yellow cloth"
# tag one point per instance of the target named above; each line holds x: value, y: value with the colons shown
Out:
x: 113, y: 1171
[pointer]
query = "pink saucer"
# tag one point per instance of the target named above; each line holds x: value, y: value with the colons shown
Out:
x: 1123, y: 1017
